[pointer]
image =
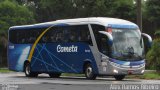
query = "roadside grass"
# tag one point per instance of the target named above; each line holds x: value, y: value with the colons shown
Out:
x: 151, y: 75
x: 4, y: 70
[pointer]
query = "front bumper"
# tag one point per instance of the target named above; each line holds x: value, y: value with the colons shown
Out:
x: 112, y: 68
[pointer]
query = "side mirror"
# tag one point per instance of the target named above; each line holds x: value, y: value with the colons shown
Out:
x: 149, y: 39
x: 110, y: 38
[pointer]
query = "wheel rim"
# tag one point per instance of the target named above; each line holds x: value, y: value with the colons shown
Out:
x: 89, y: 71
x: 27, y: 69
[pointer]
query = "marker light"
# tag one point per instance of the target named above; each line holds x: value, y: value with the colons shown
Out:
x: 109, y: 30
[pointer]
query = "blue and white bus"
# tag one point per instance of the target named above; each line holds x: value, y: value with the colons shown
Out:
x: 93, y: 46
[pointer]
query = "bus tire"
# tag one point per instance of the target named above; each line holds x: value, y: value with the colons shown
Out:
x: 28, y: 72
x: 89, y: 72
x: 54, y: 75
x: 119, y: 77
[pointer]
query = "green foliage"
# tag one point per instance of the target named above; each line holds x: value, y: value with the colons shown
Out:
x: 150, y: 75
x: 151, y: 16
x: 153, y: 10
x: 3, y: 70
x: 47, y: 10
x: 153, y: 55
x: 151, y: 19
x: 157, y: 34
x: 124, y: 9
x: 13, y: 14
x: 55, y: 9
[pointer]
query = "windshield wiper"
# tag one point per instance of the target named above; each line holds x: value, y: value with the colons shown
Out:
x: 138, y: 56
x: 128, y: 55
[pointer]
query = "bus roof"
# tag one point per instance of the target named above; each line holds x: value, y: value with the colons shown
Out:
x: 107, y: 22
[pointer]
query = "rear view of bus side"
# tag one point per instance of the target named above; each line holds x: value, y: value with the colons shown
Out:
x: 93, y: 46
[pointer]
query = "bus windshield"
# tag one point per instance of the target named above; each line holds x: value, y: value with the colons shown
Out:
x: 127, y: 44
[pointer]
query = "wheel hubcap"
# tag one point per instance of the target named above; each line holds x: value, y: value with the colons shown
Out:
x: 89, y: 71
x: 27, y: 70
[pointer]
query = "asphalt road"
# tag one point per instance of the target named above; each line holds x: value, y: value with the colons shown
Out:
x: 18, y: 81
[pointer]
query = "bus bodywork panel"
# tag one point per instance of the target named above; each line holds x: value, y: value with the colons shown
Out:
x: 57, y: 57
x: 17, y: 55
x: 118, y: 67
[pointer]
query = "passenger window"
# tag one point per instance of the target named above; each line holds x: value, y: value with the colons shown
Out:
x: 77, y: 33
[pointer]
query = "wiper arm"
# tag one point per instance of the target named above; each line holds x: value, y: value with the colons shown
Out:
x: 139, y: 56
x: 131, y: 55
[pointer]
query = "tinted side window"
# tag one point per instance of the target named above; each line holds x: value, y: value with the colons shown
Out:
x: 55, y: 34
x: 17, y: 36
x: 31, y: 35
x: 24, y: 36
x: 80, y: 33
x: 95, y: 29
x: 12, y: 36
x: 77, y: 33
x: 101, y: 40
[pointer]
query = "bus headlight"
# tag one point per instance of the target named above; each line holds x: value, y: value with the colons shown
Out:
x: 142, y: 71
x: 115, y: 71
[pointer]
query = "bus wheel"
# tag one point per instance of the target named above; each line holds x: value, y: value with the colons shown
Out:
x: 27, y: 70
x: 54, y: 75
x: 119, y: 77
x: 89, y: 72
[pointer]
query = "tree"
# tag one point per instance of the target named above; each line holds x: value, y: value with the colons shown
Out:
x: 124, y: 9
x: 151, y: 16
x: 47, y: 10
x: 11, y: 14
x: 153, y: 56
x: 153, y: 10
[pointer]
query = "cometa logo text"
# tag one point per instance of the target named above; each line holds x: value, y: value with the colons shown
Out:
x: 67, y: 48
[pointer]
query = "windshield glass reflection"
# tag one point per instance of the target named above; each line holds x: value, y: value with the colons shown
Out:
x: 127, y: 44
